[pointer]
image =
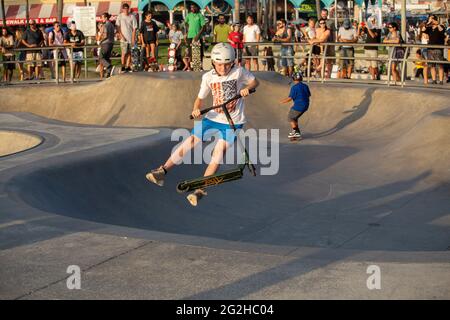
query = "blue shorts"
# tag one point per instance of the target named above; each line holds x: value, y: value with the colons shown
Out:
x: 206, y: 128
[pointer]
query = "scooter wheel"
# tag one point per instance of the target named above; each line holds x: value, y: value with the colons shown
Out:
x: 182, y: 187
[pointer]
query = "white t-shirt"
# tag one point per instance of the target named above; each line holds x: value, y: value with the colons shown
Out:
x: 127, y: 24
x: 224, y: 88
x: 311, y: 32
x: 347, y: 34
x: 175, y: 36
x: 250, y: 33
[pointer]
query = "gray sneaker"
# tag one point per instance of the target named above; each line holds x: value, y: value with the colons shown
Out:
x: 195, y: 196
x: 156, y: 176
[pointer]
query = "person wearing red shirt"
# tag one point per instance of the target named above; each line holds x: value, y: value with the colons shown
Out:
x: 236, y: 39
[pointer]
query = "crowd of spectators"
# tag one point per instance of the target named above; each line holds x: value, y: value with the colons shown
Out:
x: 309, y: 40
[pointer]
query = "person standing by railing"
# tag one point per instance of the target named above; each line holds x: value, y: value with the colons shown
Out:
x: 331, y: 50
x: 106, y: 45
x: 33, y: 38
x: 252, y: 33
x: 221, y: 30
x: 96, y: 51
x: 373, y: 37
x: 309, y: 34
x: 74, y: 38
x: 396, y: 53
x: 46, y: 55
x: 236, y: 39
x: 347, y: 33
x: 322, y: 36
x: 22, y: 54
x: 7, y: 46
x: 56, y: 38
x: 298, y: 34
x: 436, y: 33
x: 423, y: 38
x: 284, y: 35
x: 126, y: 28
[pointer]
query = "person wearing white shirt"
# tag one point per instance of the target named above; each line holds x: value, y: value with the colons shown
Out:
x: 252, y: 33
x: 127, y: 25
x: 224, y: 82
x: 347, y: 34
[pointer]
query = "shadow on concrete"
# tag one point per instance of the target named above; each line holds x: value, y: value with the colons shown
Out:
x: 286, y: 209
x: 356, y: 113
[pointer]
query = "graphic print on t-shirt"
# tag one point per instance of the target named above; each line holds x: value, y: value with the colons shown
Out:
x: 223, y: 91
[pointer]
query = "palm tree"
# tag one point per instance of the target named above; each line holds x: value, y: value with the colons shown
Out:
x: 318, y: 8
x: 236, y: 11
x: 258, y: 12
x: 60, y: 6
x: 274, y: 22
x: 3, y: 13
x: 27, y: 12
x: 266, y: 17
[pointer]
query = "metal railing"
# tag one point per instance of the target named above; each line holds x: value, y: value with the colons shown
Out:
x: 388, y: 60
x: 306, y: 52
x: 54, y: 61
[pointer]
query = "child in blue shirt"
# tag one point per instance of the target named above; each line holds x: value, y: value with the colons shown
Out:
x: 300, y: 96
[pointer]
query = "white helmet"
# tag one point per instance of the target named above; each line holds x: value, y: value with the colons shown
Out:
x: 223, y: 53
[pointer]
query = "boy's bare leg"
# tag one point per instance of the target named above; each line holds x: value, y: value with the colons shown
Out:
x: 217, y: 156
x: 294, y: 124
x: 219, y: 150
x: 178, y: 154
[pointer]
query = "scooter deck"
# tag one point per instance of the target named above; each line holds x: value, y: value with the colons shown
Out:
x: 210, y: 181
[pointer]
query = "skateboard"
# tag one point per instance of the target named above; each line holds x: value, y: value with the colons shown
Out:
x: 196, y: 62
x: 295, y: 139
x: 136, y: 61
x: 171, y: 57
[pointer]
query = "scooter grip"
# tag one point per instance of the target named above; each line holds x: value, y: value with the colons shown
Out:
x: 253, y: 90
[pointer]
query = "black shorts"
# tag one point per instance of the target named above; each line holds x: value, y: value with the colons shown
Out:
x: 316, y: 50
x: 9, y: 66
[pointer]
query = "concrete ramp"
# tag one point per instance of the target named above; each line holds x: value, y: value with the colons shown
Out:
x: 372, y: 172
x: 12, y: 142
x: 369, y: 184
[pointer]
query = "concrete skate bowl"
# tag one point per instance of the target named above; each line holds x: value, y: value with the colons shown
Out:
x: 12, y: 142
x: 371, y: 174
